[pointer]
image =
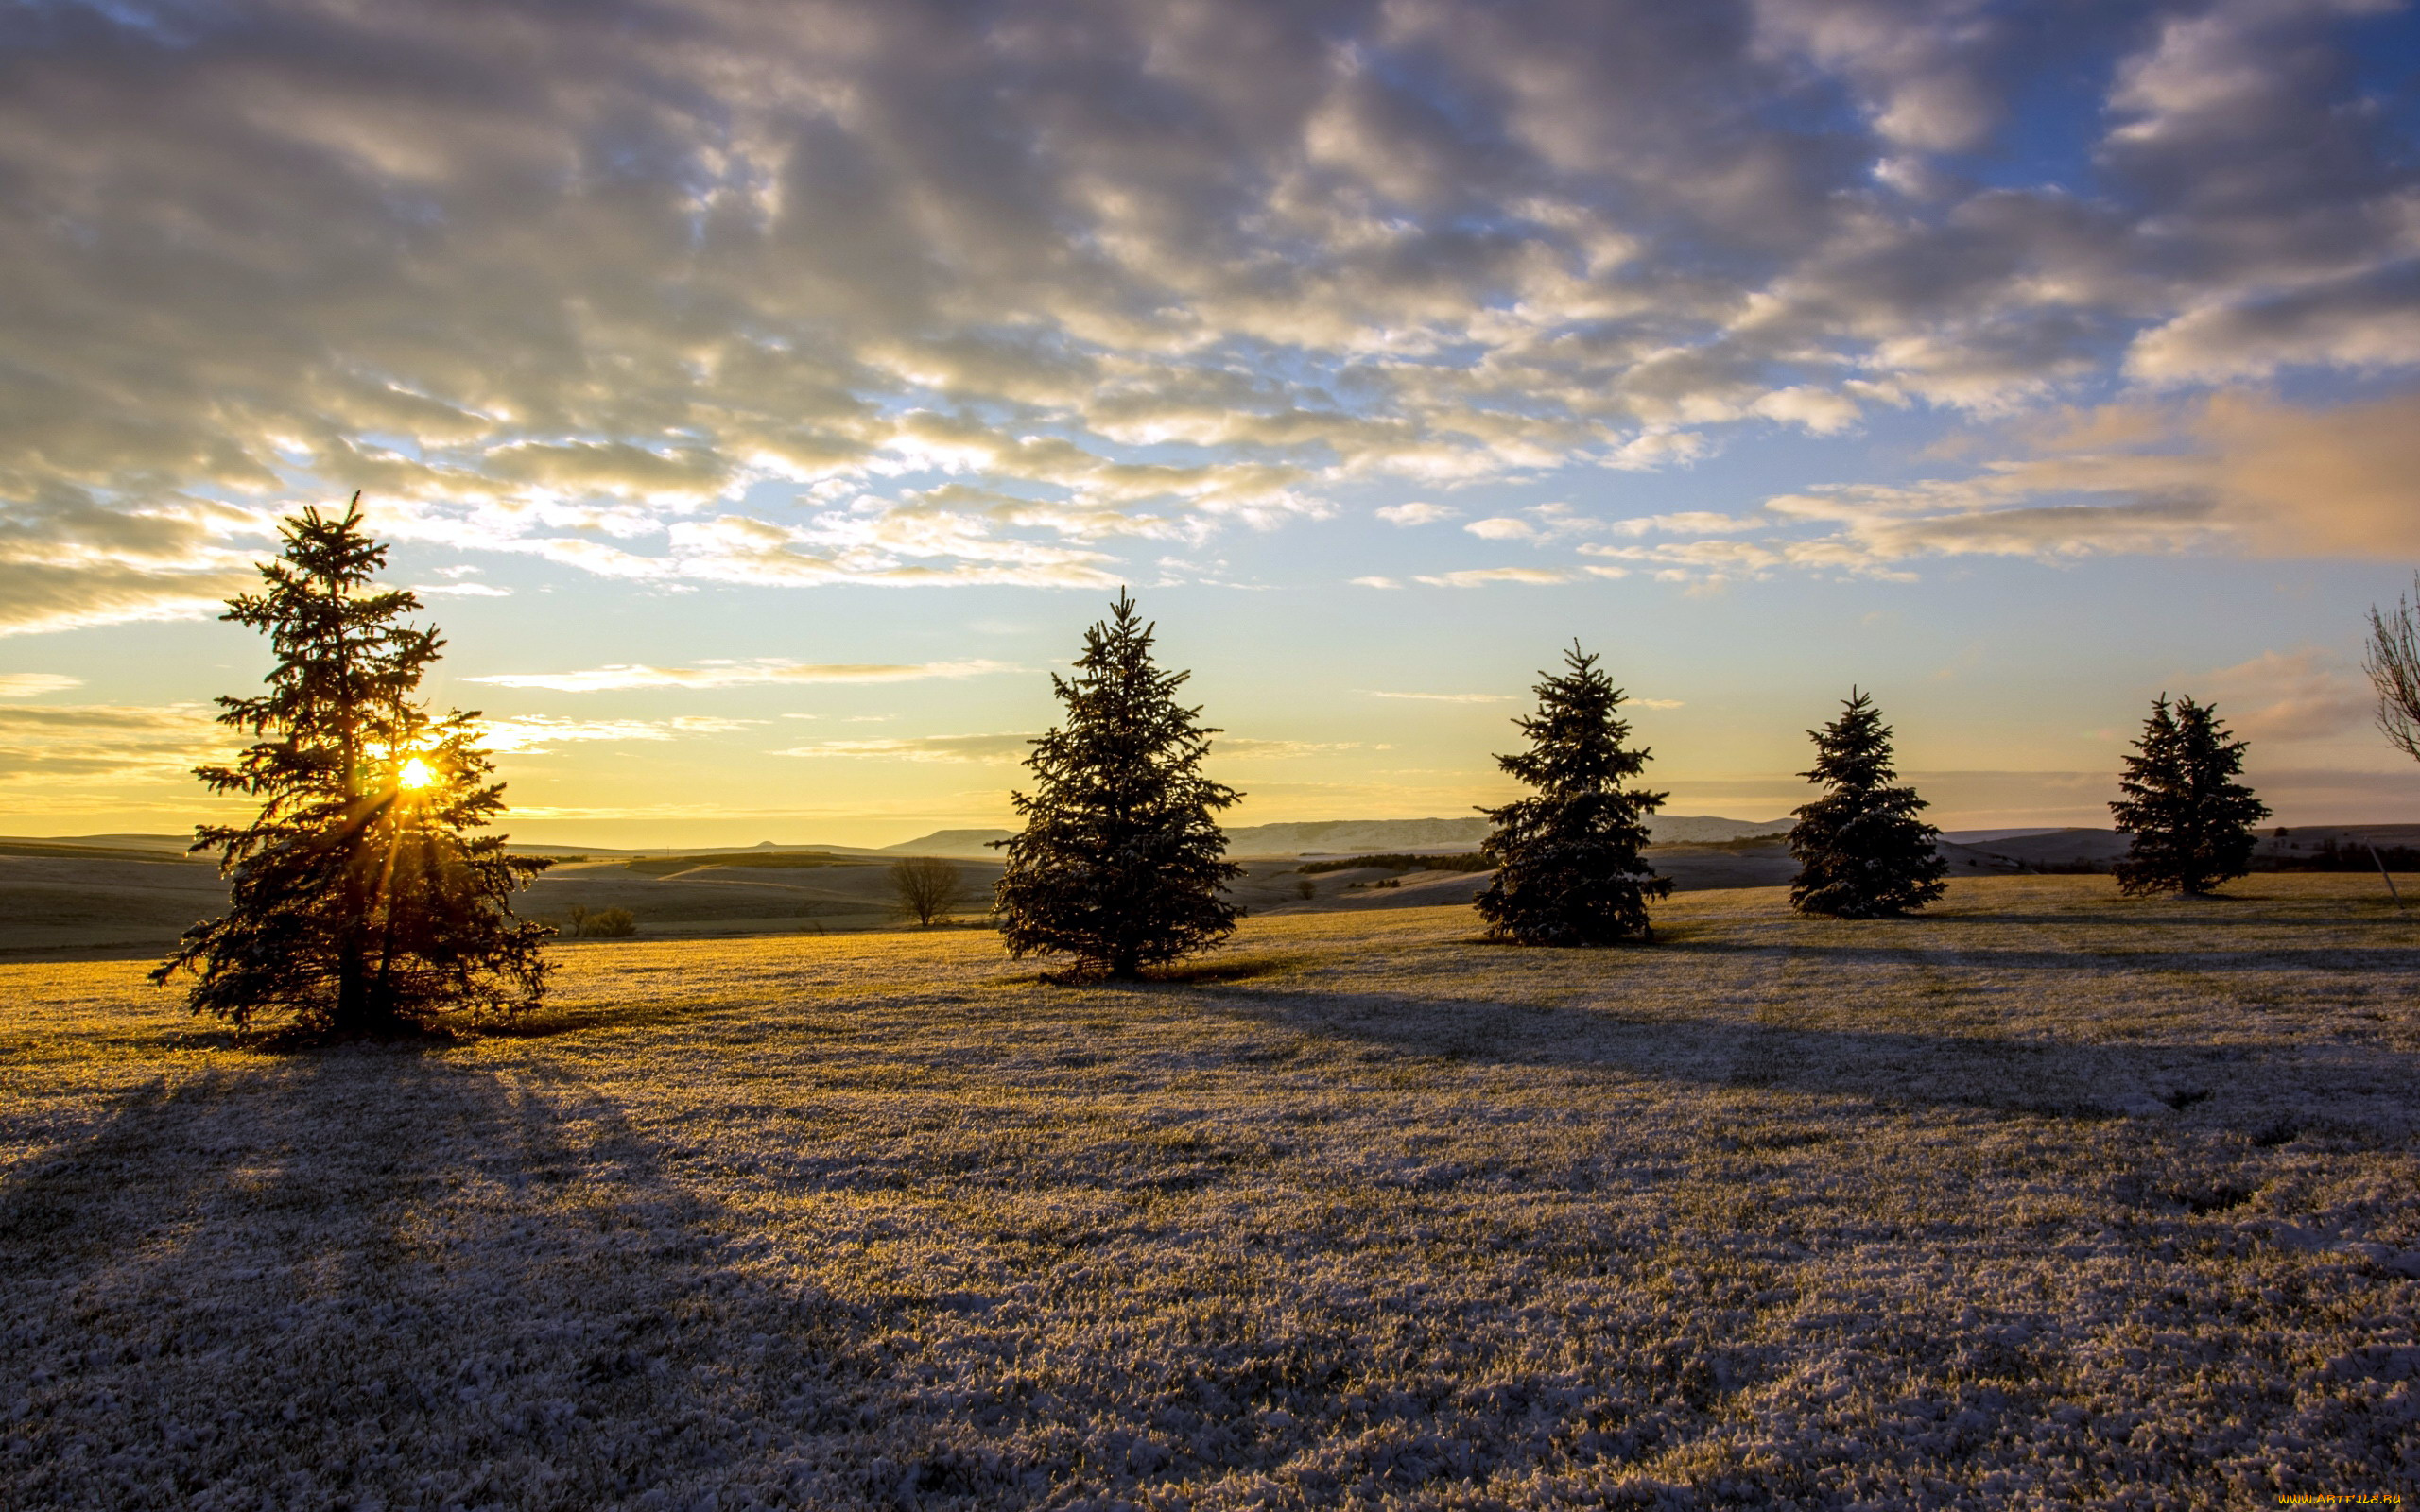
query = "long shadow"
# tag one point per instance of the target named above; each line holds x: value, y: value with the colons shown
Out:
x: 1986, y: 957
x: 2217, y: 1083
x: 375, y: 1276
x: 73, y: 1207
x: 389, y: 1278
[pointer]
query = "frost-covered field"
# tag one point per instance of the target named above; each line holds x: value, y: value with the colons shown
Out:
x: 2047, y: 1200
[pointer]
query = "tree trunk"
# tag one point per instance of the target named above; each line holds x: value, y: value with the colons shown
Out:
x: 353, y: 1009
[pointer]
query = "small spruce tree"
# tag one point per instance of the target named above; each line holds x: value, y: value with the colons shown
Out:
x: 2190, y: 820
x: 1862, y: 852
x: 359, y: 903
x: 1121, y: 862
x: 1568, y: 863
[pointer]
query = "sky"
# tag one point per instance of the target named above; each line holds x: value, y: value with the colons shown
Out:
x: 762, y: 395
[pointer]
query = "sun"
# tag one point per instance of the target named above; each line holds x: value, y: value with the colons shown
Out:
x: 416, y: 774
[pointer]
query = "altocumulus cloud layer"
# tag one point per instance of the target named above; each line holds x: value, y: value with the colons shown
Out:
x: 789, y: 292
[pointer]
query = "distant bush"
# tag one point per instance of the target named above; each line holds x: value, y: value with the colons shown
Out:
x: 602, y: 924
x: 1306, y: 888
x: 1462, y: 861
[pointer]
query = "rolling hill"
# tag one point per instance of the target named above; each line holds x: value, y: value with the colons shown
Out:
x: 1323, y: 837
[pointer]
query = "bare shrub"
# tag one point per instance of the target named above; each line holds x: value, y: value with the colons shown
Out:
x: 2394, y: 666
x: 926, y: 888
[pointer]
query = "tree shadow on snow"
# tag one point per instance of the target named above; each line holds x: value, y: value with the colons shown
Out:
x: 2222, y: 1085
x: 2355, y: 959
x: 377, y: 1275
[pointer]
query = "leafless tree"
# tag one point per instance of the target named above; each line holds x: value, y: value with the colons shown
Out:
x: 926, y: 888
x: 2394, y: 666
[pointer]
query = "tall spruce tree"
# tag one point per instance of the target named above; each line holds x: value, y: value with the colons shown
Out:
x: 2192, y: 820
x: 1568, y: 863
x: 1121, y: 861
x: 1862, y: 852
x: 359, y: 902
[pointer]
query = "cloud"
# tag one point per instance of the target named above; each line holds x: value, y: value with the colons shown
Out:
x: 34, y: 684
x: 1009, y: 748
x: 2365, y: 321
x: 1004, y: 748
x: 1818, y: 411
x: 2143, y: 526
x: 1680, y: 561
x: 759, y: 673
x: 1502, y: 528
x: 993, y: 297
x: 1481, y: 576
x: 68, y: 560
x: 2281, y: 695
x: 1245, y: 747
x: 1376, y: 582
x: 1546, y: 522
x: 1918, y: 70
x: 1690, y: 522
x: 2296, y: 481
x: 537, y: 734
x: 2235, y: 472
x: 61, y: 749
x: 2274, y: 183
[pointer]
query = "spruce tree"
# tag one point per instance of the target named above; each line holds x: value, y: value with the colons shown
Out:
x: 1568, y: 863
x: 2190, y: 820
x: 1862, y: 852
x: 359, y: 903
x: 1121, y: 862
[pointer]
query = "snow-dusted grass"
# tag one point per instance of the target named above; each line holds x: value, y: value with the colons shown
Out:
x: 2046, y: 1200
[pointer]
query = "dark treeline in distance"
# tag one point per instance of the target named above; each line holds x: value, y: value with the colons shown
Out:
x: 1393, y: 861
x: 2331, y: 855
